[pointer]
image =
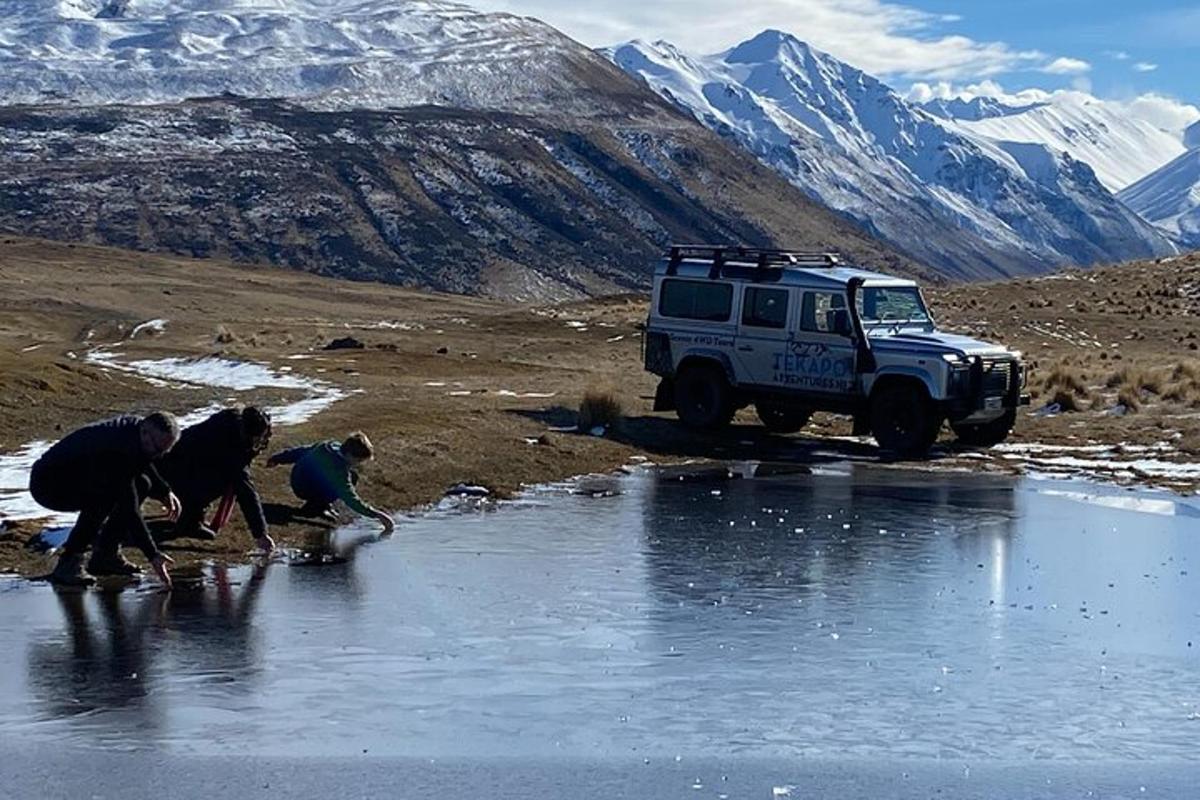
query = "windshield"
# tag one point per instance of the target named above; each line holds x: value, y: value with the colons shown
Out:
x: 891, y: 304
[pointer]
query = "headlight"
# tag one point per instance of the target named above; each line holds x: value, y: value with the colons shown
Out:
x: 952, y: 358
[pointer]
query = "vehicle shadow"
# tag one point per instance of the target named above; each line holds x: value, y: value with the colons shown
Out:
x: 665, y: 436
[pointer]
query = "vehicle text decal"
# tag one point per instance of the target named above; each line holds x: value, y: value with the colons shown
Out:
x: 812, y: 366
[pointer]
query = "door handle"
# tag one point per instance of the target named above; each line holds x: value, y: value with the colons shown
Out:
x: 745, y: 348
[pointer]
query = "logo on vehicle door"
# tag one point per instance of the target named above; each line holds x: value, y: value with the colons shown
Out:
x: 811, y: 365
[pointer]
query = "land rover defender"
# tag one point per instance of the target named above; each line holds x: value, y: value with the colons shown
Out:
x: 794, y: 332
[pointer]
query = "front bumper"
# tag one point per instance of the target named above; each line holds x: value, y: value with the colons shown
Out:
x: 987, y: 389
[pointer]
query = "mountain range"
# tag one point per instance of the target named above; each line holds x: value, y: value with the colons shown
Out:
x: 425, y: 143
x: 421, y: 143
x: 1121, y: 148
x: 937, y: 188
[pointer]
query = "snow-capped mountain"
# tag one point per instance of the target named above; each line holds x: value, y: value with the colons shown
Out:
x: 963, y: 202
x: 1170, y: 196
x: 542, y: 171
x: 1119, y: 147
x: 331, y: 53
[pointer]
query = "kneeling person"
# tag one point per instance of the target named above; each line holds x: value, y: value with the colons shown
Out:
x: 325, y: 473
x: 105, y: 471
x: 213, y: 459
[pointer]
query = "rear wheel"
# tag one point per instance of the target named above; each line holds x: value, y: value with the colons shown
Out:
x: 903, y: 420
x: 782, y: 419
x: 703, y: 399
x: 987, y: 434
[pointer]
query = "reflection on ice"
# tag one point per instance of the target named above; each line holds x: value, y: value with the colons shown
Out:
x: 867, y: 615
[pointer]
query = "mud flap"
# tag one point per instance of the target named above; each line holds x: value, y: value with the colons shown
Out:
x: 862, y: 425
x: 664, y: 395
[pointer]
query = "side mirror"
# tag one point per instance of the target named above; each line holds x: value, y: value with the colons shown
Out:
x: 839, y: 322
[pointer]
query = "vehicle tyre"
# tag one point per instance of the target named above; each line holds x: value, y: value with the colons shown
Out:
x: 987, y: 434
x: 904, y: 420
x: 703, y: 399
x: 781, y: 418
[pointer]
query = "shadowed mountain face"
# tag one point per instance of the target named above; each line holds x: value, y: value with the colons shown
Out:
x: 472, y: 202
x: 420, y: 143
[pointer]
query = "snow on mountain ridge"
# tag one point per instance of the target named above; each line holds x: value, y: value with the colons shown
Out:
x: 1119, y: 147
x: 925, y: 184
x: 366, y: 53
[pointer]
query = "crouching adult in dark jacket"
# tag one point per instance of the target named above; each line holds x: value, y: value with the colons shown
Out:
x: 104, y: 471
x: 212, y: 460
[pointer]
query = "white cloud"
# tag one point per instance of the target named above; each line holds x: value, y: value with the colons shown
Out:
x: 1162, y: 111
x: 1119, y: 55
x: 1067, y: 66
x: 1159, y: 110
x: 1144, y: 66
x: 882, y: 37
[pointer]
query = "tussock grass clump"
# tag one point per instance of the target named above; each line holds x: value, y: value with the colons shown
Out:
x: 601, y: 408
x: 1067, y: 387
x: 1184, y: 386
x: 1186, y: 371
x: 1140, y: 380
x: 1065, y: 400
x: 1129, y: 397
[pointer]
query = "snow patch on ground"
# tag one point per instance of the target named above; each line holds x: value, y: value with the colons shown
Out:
x: 150, y: 326
x: 15, y: 500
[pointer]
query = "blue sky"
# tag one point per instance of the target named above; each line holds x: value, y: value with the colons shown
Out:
x: 1116, y: 50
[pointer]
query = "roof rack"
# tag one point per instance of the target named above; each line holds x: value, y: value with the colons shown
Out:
x: 762, y: 258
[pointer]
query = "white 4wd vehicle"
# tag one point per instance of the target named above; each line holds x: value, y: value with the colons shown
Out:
x: 794, y: 333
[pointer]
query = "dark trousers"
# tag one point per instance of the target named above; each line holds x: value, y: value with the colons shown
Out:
x: 106, y: 513
x: 317, y: 502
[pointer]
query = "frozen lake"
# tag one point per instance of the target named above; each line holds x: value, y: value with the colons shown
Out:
x: 663, y: 634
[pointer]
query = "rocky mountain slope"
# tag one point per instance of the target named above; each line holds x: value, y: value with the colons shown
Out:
x: 965, y: 203
x: 543, y: 172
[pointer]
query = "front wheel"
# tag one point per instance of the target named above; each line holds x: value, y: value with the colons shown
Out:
x: 703, y: 399
x: 987, y: 434
x: 904, y: 421
x: 782, y: 419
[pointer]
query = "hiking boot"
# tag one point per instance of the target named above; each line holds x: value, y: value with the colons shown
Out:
x: 112, y: 565
x: 69, y: 572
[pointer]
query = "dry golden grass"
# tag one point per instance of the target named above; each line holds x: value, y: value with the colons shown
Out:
x: 1186, y: 370
x: 1066, y: 386
x: 1137, y: 379
x: 1128, y: 397
x: 601, y: 408
x: 1065, y: 400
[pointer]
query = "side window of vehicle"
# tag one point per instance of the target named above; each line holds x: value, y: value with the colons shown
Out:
x: 825, y: 312
x: 765, y: 308
x: 699, y: 300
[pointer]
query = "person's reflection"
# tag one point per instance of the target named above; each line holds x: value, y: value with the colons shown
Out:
x: 325, y: 564
x: 213, y: 626
x: 110, y: 660
x: 102, y: 663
